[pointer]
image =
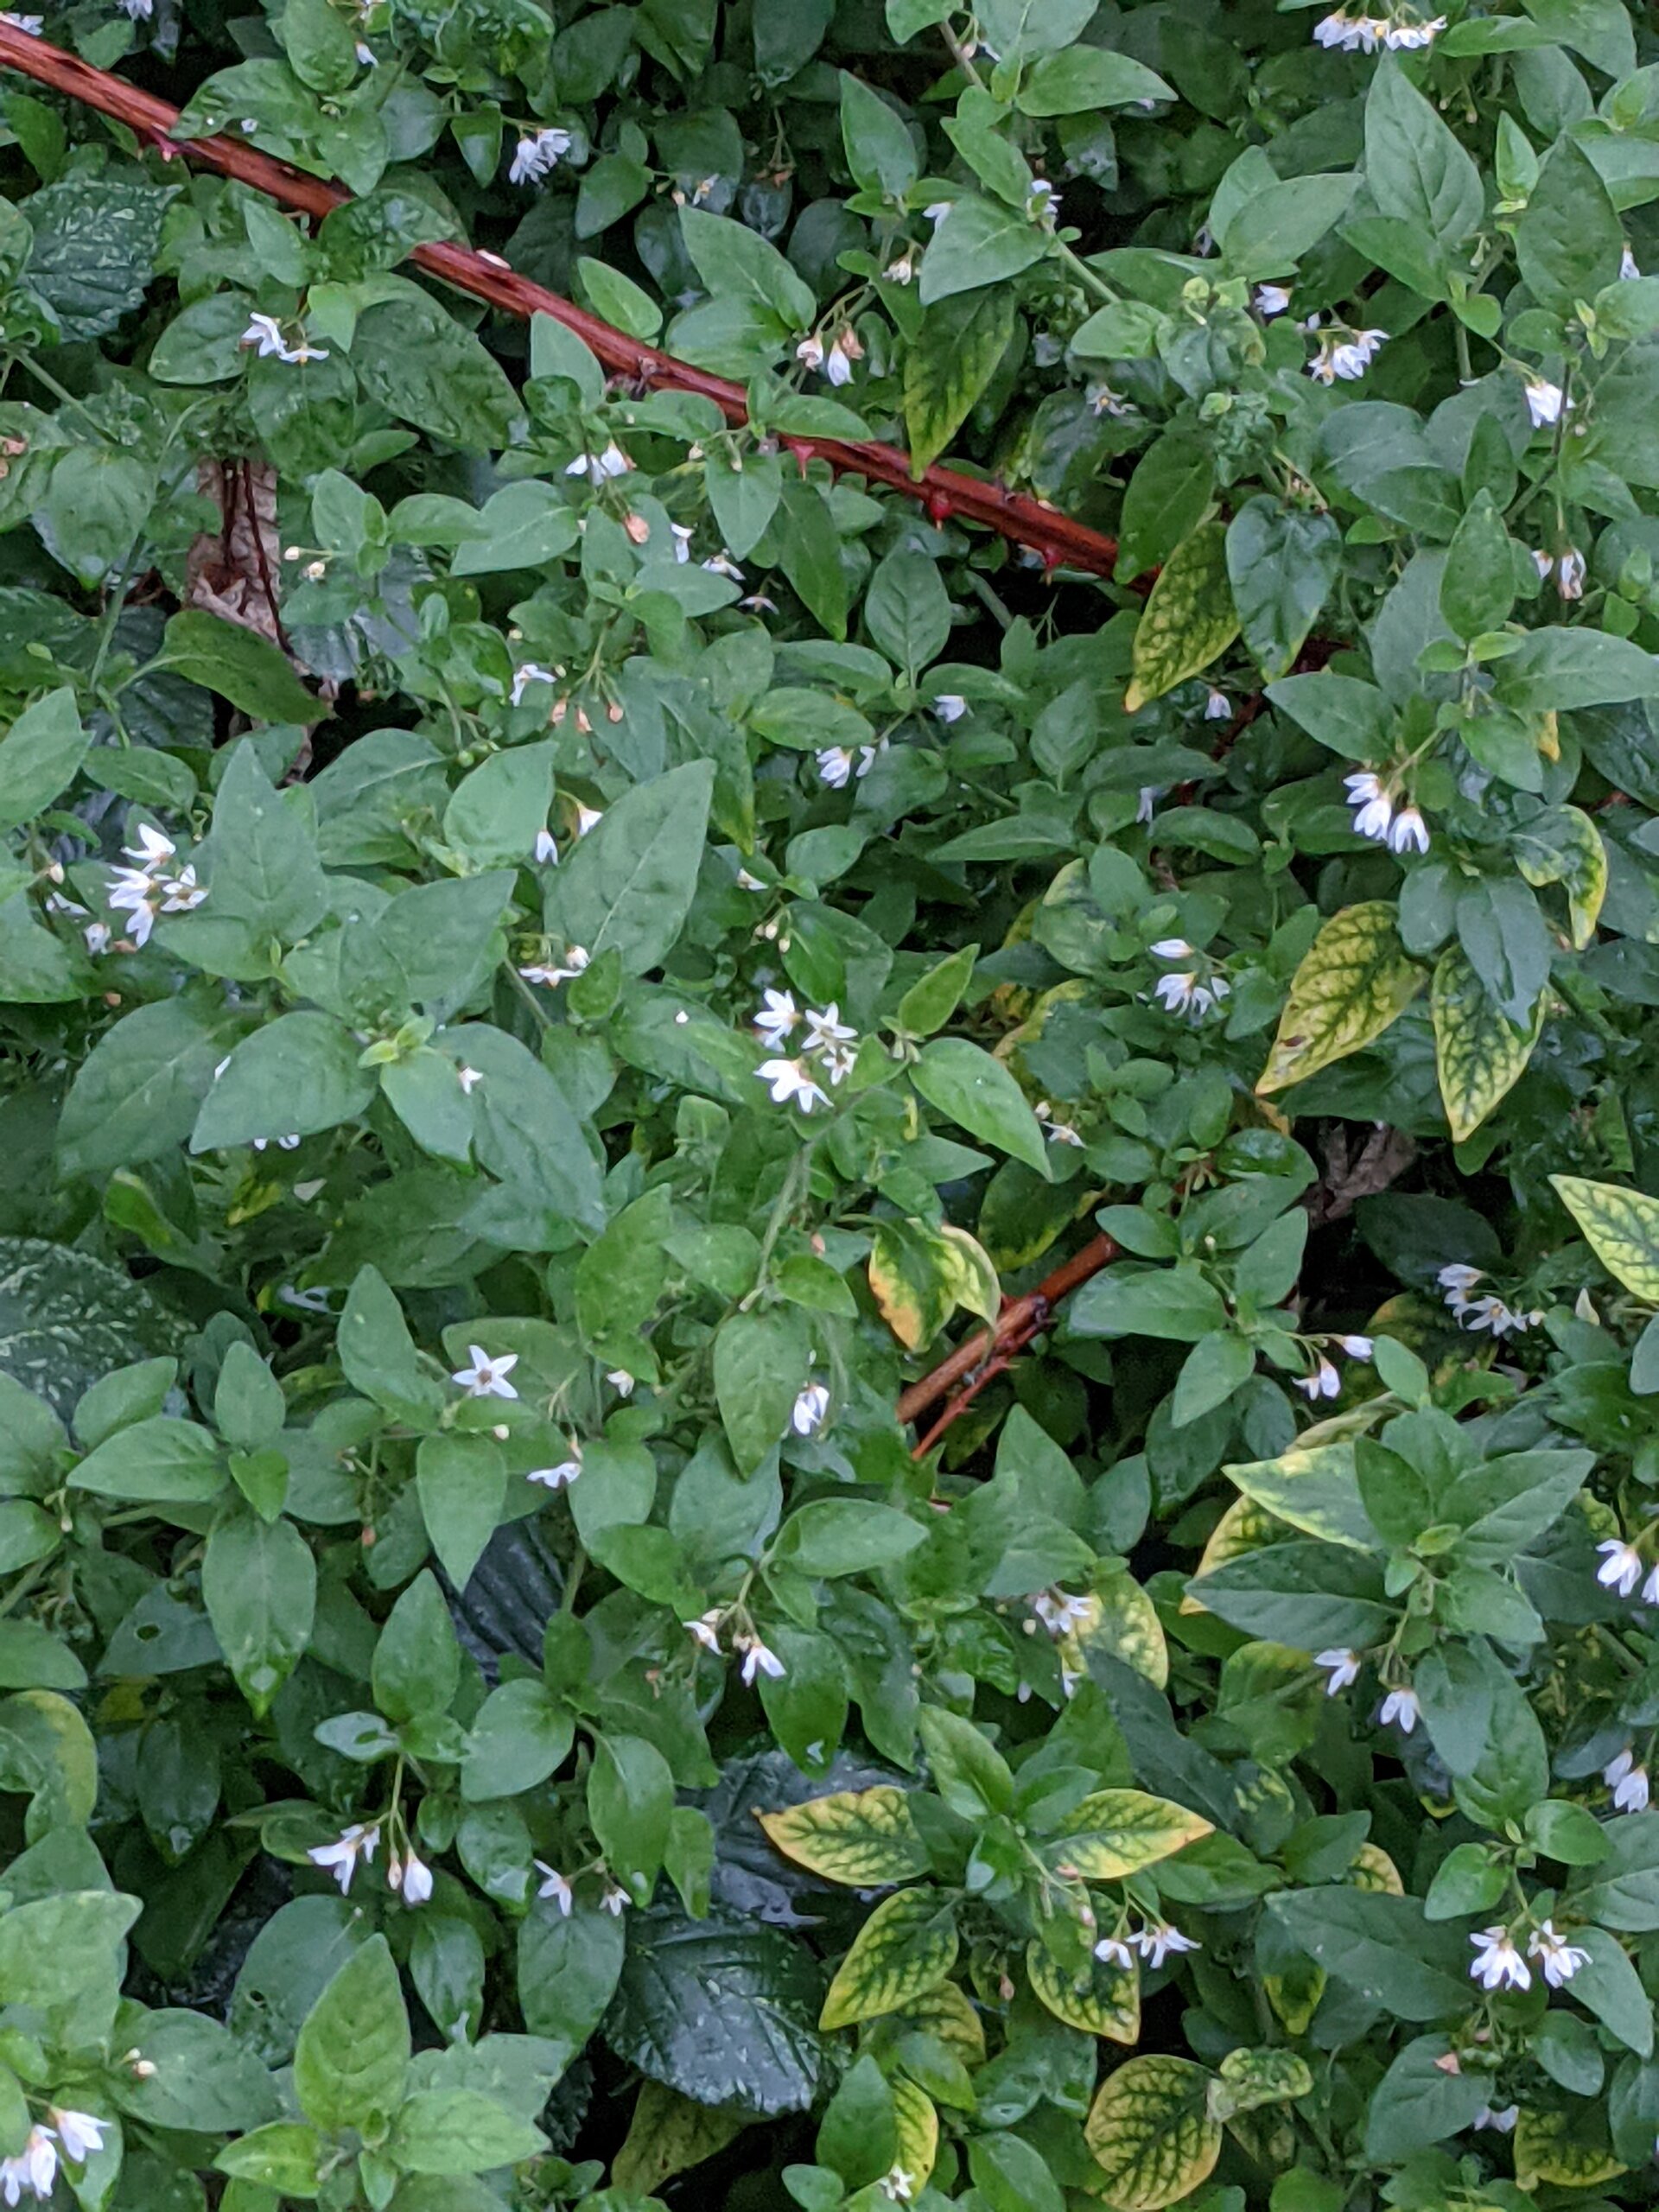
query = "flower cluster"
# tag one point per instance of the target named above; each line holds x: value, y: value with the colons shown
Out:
x: 539, y: 154
x: 1182, y: 990
x: 1487, y: 1312
x: 1498, y: 1964
x: 72, y: 2137
x: 1402, y: 830
x: 1365, y: 33
x: 1155, y: 1942
x: 265, y: 334
x: 832, y: 362
x: 1345, y: 354
x: 149, y: 887
x: 829, y: 1046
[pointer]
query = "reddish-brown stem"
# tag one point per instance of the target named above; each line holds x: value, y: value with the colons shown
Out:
x: 946, y: 493
x: 989, y: 1350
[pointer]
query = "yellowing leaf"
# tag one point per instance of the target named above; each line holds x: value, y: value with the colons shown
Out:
x: 968, y: 1272
x: 1564, y: 846
x: 1244, y: 1526
x: 906, y: 1946
x: 918, y: 2130
x: 910, y: 1281
x: 1117, y: 1832
x: 1151, y: 2133
x: 1250, y: 2079
x: 1189, y: 618
x: 1101, y: 2000
x: 669, y: 2135
x: 1479, y: 1055
x: 1622, y: 1228
x: 1314, y: 1488
x: 1123, y: 1621
x: 1373, y: 1869
x: 862, y: 1837
x: 1546, y: 2149
x: 1294, y: 1995
x: 1354, y: 979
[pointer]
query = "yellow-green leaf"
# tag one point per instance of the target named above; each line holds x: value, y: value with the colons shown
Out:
x: 1314, y: 1489
x: 1548, y: 2146
x: 1189, y: 618
x: 1373, y: 1869
x: 1151, y: 2134
x: 919, y: 2131
x: 968, y: 1272
x: 1101, y: 2000
x: 909, y: 1278
x: 1294, y: 1995
x: 1622, y: 1228
x: 906, y: 1946
x: 862, y: 1837
x: 1253, y: 2078
x: 1564, y: 846
x: 1123, y: 1620
x: 1244, y: 1526
x: 1354, y: 979
x: 668, y: 2135
x: 1117, y: 1832
x: 1479, y: 1054
x: 947, y: 2015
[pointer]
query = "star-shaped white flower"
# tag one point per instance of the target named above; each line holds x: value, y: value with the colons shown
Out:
x: 486, y: 1377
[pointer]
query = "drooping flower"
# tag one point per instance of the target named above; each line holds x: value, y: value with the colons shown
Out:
x: 1628, y: 1782
x: 1271, y: 300
x: 538, y: 155
x: 1324, y: 1382
x: 706, y: 1629
x: 721, y: 564
x: 1060, y: 1612
x: 412, y: 1878
x: 1057, y: 1131
x: 527, y: 673
x: 1400, y: 1707
x: 553, y: 1885
x: 788, y: 1080
x: 1157, y: 1940
x: 550, y: 972
x: 1341, y: 1668
x: 600, y: 467
x: 807, y: 1414
x: 360, y: 1840
x: 1043, y: 202
x: 614, y: 1900
x: 469, y: 1079
x: 1457, y: 1280
x: 1411, y: 36
x: 1345, y: 360
x: 81, y: 2133
x: 758, y: 1659
x: 949, y: 707
x: 1546, y: 403
x: 1358, y: 1347
x: 1349, y: 33
x: 1621, y: 1566
x: 1185, y: 994
x: 264, y: 333
x: 1569, y: 574
x: 1628, y: 269
x: 486, y: 1377
x: 1559, y: 1961
x: 33, y: 2168
x: 1502, y: 2119
x: 1171, y: 947
x: 1408, y: 833
x: 1497, y: 1963
x: 32, y: 25
x: 563, y: 1476
x: 1113, y: 1951
x: 1372, y: 802
x: 832, y: 362
x: 1217, y: 707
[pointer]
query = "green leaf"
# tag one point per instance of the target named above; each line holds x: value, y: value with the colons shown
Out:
x: 880, y: 152
x: 1622, y: 1228
x: 629, y: 1800
x: 378, y: 1354
x: 1117, y: 1832
x: 68, y: 1317
x: 1609, y: 1986
x: 1309, y: 1595
x: 907, y: 1946
x: 1187, y: 621
x: 1380, y: 1946
x: 93, y: 255
x: 1150, y: 2131
x: 242, y: 667
x: 977, y: 1093
x: 462, y: 1485
x: 296, y: 1077
x: 1351, y: 984
x: 283, y: 2156
x: 978, y: 243
x: 845, y: 1535
x: 417, y: 1660
x: 40, y: 756
x: 520, y: 1737
x: 760, y: 1368
x: 1280, y: 566
x: 1569, y: 238
x: 259, y: 1584
x: 1313, y: 1488
x: 1415, y: 168
x: 422, y: 367
x: 1085, y: 78
x: 947, y: 365
x: 54, y: 1947
x: 1420, y: 2100
x: 735, y: 264
x: 629, y: 883
x: 162, y: 1461
x: 353, y: 2053
x: 459, y: 2132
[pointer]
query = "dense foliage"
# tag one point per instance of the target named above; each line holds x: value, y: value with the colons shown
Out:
x: 553, y: 956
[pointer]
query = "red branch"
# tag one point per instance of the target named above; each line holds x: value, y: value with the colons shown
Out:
x: 946, y: 493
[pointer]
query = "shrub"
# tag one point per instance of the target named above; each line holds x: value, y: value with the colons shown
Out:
x: 567, y: 931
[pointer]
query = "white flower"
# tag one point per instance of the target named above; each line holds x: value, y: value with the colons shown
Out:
x: 1059, y: 1132
x: 559, y: 1477
x: 98, y: 935
x: 897, y: 2186
x: 806, y: 1415
x: 1545, y: 402
x: 33, y: 26
x: 1497, y: 1963
x: 1324, y: 1382
x: 1185, y: 994
x: 620, y: 1380
x: 826, y: 1030
x: 1400, y: 1707
x: 721, y: 564
x: 140, y: 11
x: 1627, y: 268
x: 597, y: 468
x: 1217, y: 707
x: 551, y: 972
x: 265, y: 332
x: 793, y: 1079
x: 1628, y: 1782
x: 81, y: 2134
x: 1569, y: 574
x: 486, y: 1377
x: 1411, y: 36
x: 1271, y: 300
x: 1113, y: 1951
x: 1558, y: 1959
x: 1409, y: 832
x: 706, y: 1629
x: 950, y: 706
x: 366, y: 56
x: 777, y: 1018
x: 1171, y: 947
x: 1147, y: 800
x: 937, y: 210
x: 34, y: 2168
x: 1043, y: 202
x: 538, y: 157
x: 1621, y: 1566
x: 1356, y: 1347
x: 152, y: 848
x: 1373, y: 806
x: 360, y: 1840
x: 1341, y: 1666
x: 902, y: 269
x: 523, y: 676
x: 1502, y: 2119
x: 588, y: 817
x: 757, y: 603
x: 1650, y: 1588
x: 1346, y: 358
x: 757, y: 1660
x: 553, y: 1885
x: 1455, y: 1279
x: 1344, y: 31
x: 613, y: 1900
x: 412, y: 1877
x: 832, y: 362
x: 1059, y: 1613
x: 1157, y: 1940
x: 1101, y: 399
x: 683, y: 534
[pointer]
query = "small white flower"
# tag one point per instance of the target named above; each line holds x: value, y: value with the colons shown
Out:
x: 1113, y: 1951
x: 950, y: 706
x: 1628, y: 1782
x: 1409, y: 832
x: 366, y: 56
x: 1413, y: 36
x: 33, y: 25
x: 776, y: 1018
x: 1400, y: 1709
x: 757, y: 603
x: 1498, y: 1964
x: 832, y: 362
x: 1341, y: 1667
x: 551, y: 972
x: 1358, y: 1347
x: 1217, y: 707
x: 613, y: 1900
x: 620, y: 1380
x: 721, y: 564
x: 835, y: 766
x: 553, y: 1885
x: 1185, y: 994
x: 826, y: 1030
x: 413, y: 1877
x: 1060, y: 1612
x: 1043, y: 202
x: 1502, y: 2119
x: 1456, y: 1279
x: 598, y: 467
x: 1569, y: 574
x: 1147, y: 801
x: 559, y: 1477
x: 1627, y: 266
x: 265, y: 333
x: 1271, y: 300
x: 1372, y: 803
x: 937, y: 210
x: 902, y: 269
x: 152, y: 848
x: 897, y: 2186
x: 1545, y: 403
x: 793, y: 1079
x: 1057, y: 1131
x: 538, y: 155
x: 1101, y: 399
x: 1156, y: 1940
x: 683, y: 534
x: 706, y: 1629
x: 527, y: 673
x: 1650, y: 1588
x: 1171, y: 947
x: 97, y: 936
x: 1621, y: 1566
x: 360, y: 1840
x: 1558, y: 1959
x: 1324, y: 1382
x: 588, y: 817
x: 757, y: 1660
x: 34, y: 2168
x: 81, y: 2134
x: 1345, y: 359
x: 807, y: 1414
x: 487, y: 1377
